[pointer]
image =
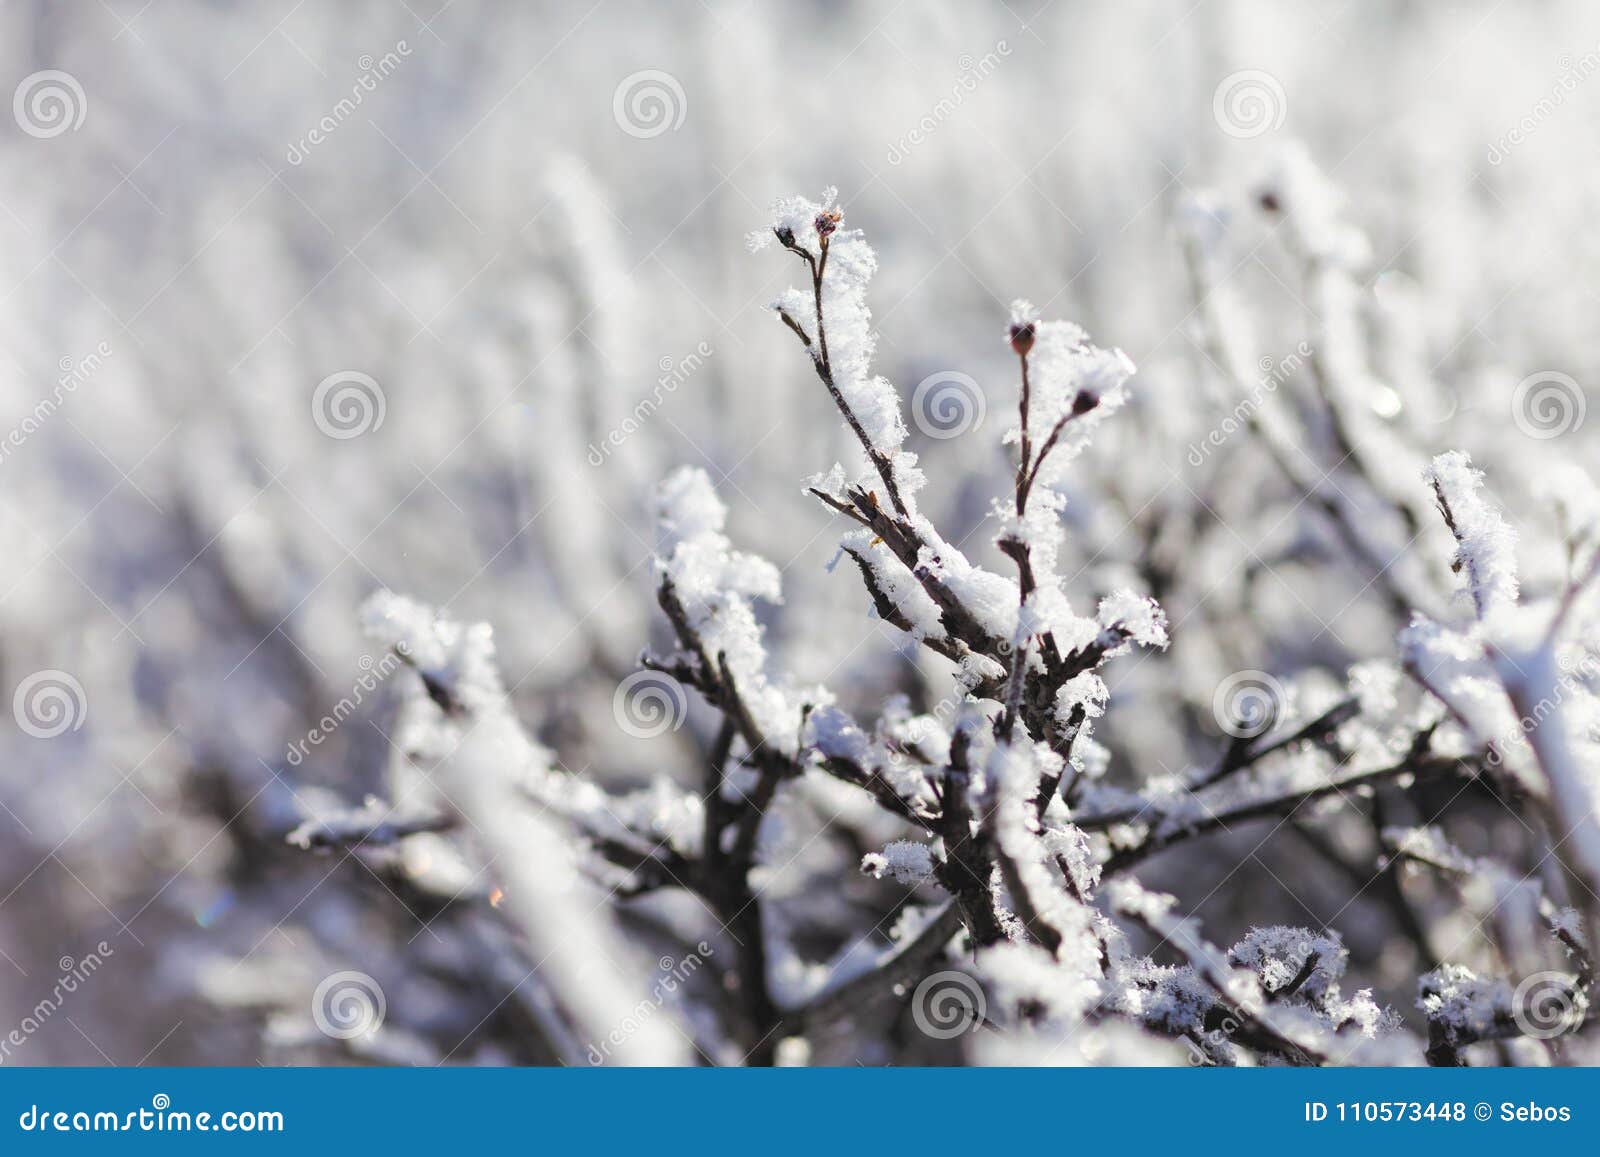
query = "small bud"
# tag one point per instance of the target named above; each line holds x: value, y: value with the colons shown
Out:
x: 1268, y: 200
x: 784, y: 234
x: 827, y: 221
x: 1022, y: 338
x: 1083, y: 403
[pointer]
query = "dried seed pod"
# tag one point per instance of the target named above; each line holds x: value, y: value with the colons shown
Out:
x: 1022, y: 336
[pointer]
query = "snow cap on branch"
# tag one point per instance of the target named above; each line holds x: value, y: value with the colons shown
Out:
x: 907, y: 861
x: 794, y: 221
x: 1462, y: 1004
x: 1134, y: 618
x: 1023, y: 328
x: 1279, y: 953
x: 716, y: 586
x: 846, y: 330
x: 1071, y: 381
x: 1085, y: 691
x: 697, y: 555
x: 1485, y: 545
x: 455, y: 660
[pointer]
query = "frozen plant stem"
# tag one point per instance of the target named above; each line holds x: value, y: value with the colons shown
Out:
x: 827, y: 222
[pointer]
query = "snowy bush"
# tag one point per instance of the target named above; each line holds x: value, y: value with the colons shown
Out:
x: 1018, y: 842
x: 461, y: 631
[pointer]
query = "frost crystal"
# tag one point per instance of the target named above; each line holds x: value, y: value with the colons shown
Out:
x: 905, y: 860
x: 1486, y: 546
